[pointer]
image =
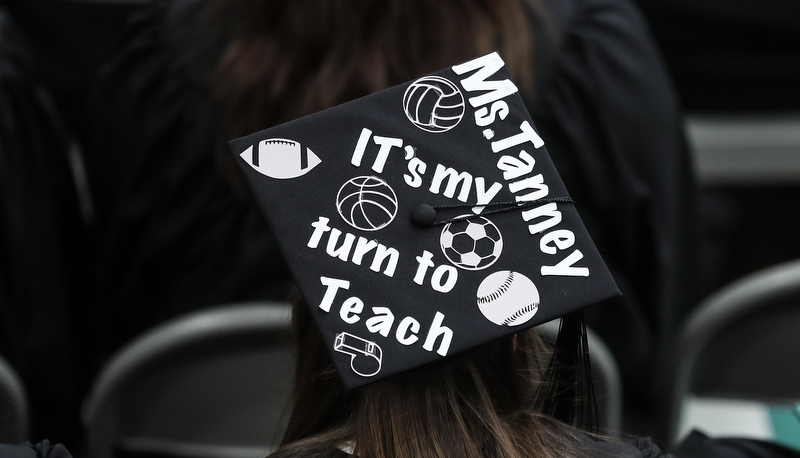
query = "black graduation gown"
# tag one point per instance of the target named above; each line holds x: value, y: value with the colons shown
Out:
x: 40, y: 232
x: 611, y: 120
x: 696, y: 445
x: 172, y: 235
x: 731, y: 55
x: 588, y: 448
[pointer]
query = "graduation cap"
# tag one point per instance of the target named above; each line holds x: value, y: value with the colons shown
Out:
x: 423, y: 220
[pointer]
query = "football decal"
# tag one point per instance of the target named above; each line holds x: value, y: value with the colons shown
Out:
x: 367, y: 203
x: 281, y: 158
x: 366, y: 356
x: 508, y: 298
x: 434, y: 104
x: 474, y: 243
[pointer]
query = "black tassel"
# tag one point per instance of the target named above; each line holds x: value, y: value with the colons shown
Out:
x: 568, y: 389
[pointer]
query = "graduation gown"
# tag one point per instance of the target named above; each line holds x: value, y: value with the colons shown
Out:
x: 40, y: 233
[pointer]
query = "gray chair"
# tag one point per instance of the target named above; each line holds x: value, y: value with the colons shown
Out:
x: 211, y: 384
x: 742, y: 343
x: 746, y: 148
x: 607, y: 379
x: 13, y: 406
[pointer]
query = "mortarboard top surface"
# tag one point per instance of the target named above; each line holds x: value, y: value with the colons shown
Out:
x: 366, y: 200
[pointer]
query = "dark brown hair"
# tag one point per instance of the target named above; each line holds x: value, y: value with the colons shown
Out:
x: 283, y: 59
x: 483, y: 403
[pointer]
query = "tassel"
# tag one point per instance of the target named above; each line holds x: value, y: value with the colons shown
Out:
x: 568, y: 392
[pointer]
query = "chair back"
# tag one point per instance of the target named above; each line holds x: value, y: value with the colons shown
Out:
x: 211, y: 384
x: 742, y: 343
x: 14, y: 416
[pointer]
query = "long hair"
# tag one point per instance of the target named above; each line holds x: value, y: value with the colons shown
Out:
x: 284, y: 59
x: 483, y: 403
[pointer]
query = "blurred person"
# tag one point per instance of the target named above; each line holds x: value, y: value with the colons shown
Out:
x: 730, y: 56
x: 39, y: 450
x: 68, y: 41
x: 737, y: 61
x: 41, y: 233
x: 177, y: 231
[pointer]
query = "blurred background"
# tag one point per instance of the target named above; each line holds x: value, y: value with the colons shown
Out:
x: 735, y: 65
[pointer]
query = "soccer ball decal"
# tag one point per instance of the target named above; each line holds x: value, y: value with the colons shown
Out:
x: 471, y: 244
x: 434, y: 104
x: 367, y: 203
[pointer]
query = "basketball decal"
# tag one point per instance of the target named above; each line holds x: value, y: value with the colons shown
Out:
x: 367, y: 203
x: 508, y: 298
x: 474, y: 243
x: 280, y: 158
x: 433, y: 104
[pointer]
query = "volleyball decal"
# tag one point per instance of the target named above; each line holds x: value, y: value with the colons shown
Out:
x: 433, y: 104
x: 280, y: 158
x: 508, y: 298
x: 366, y: 356
x: 472, y: 244
x: 367, y: 203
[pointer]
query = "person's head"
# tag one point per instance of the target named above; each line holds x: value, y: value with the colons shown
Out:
x: 485, y: 402
x: 284, y: 59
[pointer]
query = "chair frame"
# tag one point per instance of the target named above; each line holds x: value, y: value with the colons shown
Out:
x: 15, y: 420
x: 720, y: 310
x: 254, y: 318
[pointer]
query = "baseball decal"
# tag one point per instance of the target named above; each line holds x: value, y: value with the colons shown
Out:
x: 508, y: 298
x: 280, y: 158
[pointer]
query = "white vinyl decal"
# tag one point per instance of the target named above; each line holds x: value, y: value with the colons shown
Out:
x: 434, y: 104
x: 367, y: 203
x: 508, y: 298
x: 281, y: 158
x: 472, y: 244
x: 365, y: 356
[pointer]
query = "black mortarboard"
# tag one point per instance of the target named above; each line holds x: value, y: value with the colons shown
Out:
x: 423, y: 220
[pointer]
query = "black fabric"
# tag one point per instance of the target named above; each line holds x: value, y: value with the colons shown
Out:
x: 643, y: 447
x: 40, y: 450
x: 610, y: 115
x: 730, y: 55
x: 319, y: 451
x: 172, y: 234
x: 68, y: 42
x: 40, y: 234
x: 587, y: 447
x: 698, y: 445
